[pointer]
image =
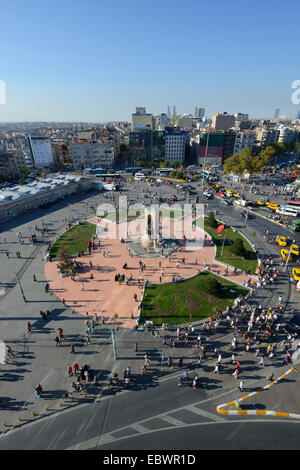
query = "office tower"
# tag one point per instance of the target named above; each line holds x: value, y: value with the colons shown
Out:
x: 41, y: 151
x: 169, y: 112
x: 298, y: 115
x: 276, y: 114
x: 201, y: 112
x: 196, y: 112
x: 174, y: 110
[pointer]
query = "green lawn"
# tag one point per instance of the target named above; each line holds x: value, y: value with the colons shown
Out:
x: 74, y: 239
x: 181, y: 302
x: 120, y: 216
x: 249, y: 263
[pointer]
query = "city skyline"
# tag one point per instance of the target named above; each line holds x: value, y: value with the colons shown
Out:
x: 65, y: 64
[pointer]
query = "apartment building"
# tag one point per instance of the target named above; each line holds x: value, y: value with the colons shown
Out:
x: 243, y: 140
x: 175, y: 145
x: 85, y: 154
x: 223, y: 122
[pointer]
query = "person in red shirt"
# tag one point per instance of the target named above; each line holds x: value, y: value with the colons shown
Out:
x: 70, y: 371
x: 76, y: 368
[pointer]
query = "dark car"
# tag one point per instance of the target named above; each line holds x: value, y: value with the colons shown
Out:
x: 247, y: 214
x: 293, y: 326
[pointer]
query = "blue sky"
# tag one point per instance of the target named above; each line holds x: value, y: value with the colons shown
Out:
x: 97, y: 60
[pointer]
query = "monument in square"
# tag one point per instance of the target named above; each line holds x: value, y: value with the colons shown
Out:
x: 151, y: 243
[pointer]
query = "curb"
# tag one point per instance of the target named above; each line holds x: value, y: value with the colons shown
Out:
x: 236, y: 402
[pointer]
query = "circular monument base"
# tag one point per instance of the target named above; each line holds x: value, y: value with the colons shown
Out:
x: 138, y: 247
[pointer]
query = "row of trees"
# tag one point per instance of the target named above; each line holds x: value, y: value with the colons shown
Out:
x: 247, y: 162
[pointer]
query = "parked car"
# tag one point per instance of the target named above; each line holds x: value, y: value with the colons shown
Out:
x: 226, y: 202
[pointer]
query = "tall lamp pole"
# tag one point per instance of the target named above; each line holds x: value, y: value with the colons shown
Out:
x: 204, y: 164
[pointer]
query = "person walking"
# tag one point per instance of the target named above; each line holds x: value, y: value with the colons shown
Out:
x: 241, y: 386
x: 261, y: 361
x: 70, y: 371
x: 57, y: 341
x: 75, y: 368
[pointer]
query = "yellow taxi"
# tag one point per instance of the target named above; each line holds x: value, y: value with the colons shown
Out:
x: 295, y: 249
x: 296, y: 274
x: 182, y: 181
x: 272, y: 205
x: 282, y: 241
x: 236, y: 195
x: 260, y: 203
x: 228, y: 191
x: 285, y: 254
x: 218, y: 185
x: 149, y: 180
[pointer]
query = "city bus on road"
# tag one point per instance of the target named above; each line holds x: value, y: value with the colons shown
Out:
x: 132, y: 169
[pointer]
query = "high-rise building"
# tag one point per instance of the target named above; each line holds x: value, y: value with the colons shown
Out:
x: 201, y: 112
x: 276, y: 113
x: 169, y: 112
x: 41, y: 151
x: 223, y: 122
x: 196, y: 112
x: 298, y: 115
x: 174, y: 110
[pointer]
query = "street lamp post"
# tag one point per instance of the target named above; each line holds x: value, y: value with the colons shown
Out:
x: 114, y: 344
x: 204, y: 164
x: 287, y: 259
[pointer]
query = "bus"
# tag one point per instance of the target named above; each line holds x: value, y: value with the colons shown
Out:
x: 288, y: 210
x: 95, y: 171
x: 132, y: 169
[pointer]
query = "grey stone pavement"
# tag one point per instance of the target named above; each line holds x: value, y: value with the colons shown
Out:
x: 38, y: 360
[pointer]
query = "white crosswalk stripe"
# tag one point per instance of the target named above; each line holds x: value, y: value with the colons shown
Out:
x: 171, y: 420
x: 206, y: 414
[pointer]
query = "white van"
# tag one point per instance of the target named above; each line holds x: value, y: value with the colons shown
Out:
x: 288, y: 210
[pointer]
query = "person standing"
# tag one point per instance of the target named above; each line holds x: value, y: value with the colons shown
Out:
x: 70, y: 371
x: 241, y: 386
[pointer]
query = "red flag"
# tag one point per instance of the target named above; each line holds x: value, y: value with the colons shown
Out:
x: 220, y: 228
